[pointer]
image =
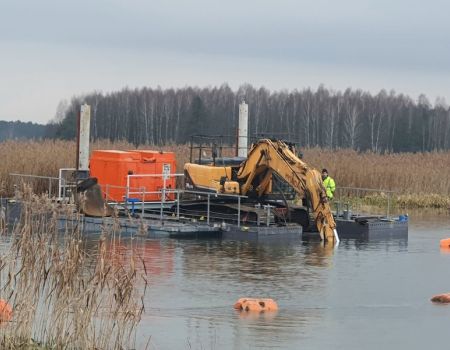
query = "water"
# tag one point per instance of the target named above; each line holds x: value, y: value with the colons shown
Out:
x: 362, y: 295
x: 370, y: 295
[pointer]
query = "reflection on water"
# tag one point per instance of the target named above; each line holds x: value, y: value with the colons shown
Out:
x: 369, y: 295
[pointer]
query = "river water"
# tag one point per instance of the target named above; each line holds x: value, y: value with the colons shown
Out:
x: 361, y: 295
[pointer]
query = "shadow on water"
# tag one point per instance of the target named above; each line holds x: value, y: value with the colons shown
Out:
x: 393, y: 244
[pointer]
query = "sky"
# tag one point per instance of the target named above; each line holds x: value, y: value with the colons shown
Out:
x: 52, y: 50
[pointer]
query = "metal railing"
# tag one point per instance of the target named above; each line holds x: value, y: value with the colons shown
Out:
x: 354, y: 194
x: 64, y: 184
x: 165, y: 177
x: 36, y: 181
x: 142, y: 193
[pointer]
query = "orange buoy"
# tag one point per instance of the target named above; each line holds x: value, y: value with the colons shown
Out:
x: 255, y: 304
x: 441, y: 298
x: 5, y: 311
x: 445, y: 243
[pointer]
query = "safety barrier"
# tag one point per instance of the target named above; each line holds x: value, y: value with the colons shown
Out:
x: 348, y: 199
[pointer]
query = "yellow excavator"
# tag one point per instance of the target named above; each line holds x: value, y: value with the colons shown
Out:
x: 254, y: 178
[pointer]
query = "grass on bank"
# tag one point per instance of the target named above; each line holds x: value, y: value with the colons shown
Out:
x: 419, y: 179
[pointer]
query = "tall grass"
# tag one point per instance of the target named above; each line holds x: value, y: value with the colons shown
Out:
x: 420, y: 178
x: 62, y: 295
x: 46, y: 157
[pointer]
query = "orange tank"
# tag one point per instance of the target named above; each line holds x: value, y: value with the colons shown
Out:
x: 112, y: 167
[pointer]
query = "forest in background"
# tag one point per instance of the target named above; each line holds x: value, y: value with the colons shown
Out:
x: 21, y: 130
x: 355, y: 119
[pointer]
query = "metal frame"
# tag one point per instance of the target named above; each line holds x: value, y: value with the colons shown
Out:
x: 358, y: 191
x: 49, y: 178
x: 62, y: 185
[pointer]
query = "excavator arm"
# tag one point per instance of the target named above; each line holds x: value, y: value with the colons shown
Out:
x: 267, y: 156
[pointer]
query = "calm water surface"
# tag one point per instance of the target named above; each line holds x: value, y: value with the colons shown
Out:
x: 362, y: 295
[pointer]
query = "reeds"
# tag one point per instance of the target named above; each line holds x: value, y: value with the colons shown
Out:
x: 421, y: 178
x: 418, y: 179
x: 64, y: 295
x: 46, y: 157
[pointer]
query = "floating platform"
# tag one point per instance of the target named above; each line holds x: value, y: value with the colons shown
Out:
x: 367, y: 228
x: 178, y: 229
x: 262, y: 233
x: 370, y: 229
x: 145, y: 228
x: 363, y: 228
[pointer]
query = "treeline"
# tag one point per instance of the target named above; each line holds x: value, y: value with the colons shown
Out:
x: 382, y: 122
x: 21, y: 130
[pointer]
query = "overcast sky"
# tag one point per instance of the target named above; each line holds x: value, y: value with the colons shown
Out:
x: 51, y: 50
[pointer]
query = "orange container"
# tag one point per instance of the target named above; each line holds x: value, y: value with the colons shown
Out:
x: 157, y: 163
x: 112, y: 168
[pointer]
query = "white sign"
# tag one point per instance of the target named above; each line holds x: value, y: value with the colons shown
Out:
x: 166, y: 171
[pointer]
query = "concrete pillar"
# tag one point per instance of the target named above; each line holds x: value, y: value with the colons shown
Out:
x: 243, y: 130
x: 83, y: 147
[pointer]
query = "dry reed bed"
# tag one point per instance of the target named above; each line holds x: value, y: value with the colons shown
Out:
x: 63, y: 296
x: 420, y: 179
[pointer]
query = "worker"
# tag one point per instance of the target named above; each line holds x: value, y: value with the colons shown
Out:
x: 329, y: 184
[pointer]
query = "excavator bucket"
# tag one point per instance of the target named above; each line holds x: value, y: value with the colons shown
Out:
x: 90, y: 201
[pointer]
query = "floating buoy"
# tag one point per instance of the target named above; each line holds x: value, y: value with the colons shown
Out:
x: 5, y: 311
x: 445, y: 243
x: 441, y: 298
x: 254, y: 304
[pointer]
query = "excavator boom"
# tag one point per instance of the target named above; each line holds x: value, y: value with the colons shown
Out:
x: 254, y: 176
x: 276, y: 156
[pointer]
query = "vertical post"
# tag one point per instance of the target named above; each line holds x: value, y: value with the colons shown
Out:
x: 78, y: 141
x: 357, y: 200
x: 389, y: 205
x: 207, y: 211
x: 83, y: 136
x: 178, y: 204
x: 239, y: 211
x: 243, y: 130
x: 127, y: 190
x: 49, y: 188
x: 63, y: 194
x: 143, y: 199
x: 163, y: 196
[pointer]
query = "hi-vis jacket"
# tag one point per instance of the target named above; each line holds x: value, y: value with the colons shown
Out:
x: 330, y: 187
